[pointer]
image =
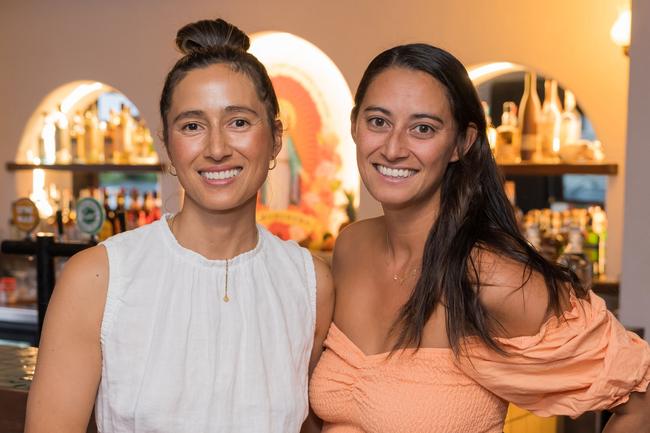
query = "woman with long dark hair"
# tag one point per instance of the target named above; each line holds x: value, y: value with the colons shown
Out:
x: 444, y: 312
x: 202, y: 321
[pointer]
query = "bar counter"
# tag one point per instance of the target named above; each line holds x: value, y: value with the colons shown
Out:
x: 16, y: 372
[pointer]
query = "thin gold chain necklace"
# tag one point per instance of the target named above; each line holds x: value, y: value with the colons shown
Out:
x: 226, y: 298
x: 401, y: 279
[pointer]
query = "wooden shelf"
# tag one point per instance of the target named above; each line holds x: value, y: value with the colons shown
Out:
x: 88, y: 168
x: 532, y: 169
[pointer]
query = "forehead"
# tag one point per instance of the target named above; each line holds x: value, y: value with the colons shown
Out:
x: 406, y: 90
x: 215, y: 86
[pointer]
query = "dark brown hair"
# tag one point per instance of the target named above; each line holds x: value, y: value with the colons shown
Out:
x: 474, y: 215
x: 210, y: 42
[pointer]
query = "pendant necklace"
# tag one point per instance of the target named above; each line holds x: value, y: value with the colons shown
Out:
x: 226, y: 298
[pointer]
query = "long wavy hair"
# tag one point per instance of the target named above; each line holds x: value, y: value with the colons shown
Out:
x: 474, y: 215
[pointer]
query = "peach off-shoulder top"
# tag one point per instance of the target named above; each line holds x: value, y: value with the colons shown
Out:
x: 582, y: 361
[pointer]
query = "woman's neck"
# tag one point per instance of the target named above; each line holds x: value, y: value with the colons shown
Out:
x: 407, y: 230
x: 216, y: 235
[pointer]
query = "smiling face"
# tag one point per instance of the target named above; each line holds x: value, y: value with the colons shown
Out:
x: 219, y: 138
x: 405, y: 136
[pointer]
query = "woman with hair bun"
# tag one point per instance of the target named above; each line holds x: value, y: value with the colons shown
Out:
x: 203, y: 321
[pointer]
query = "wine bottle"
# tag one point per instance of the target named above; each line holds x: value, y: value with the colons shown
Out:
x: 529, y: 113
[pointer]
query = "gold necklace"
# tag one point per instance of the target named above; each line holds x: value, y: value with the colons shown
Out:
x: 407, y: 275
x: 225, y: 296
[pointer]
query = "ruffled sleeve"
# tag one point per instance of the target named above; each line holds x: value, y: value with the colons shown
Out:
x: 583, y: 361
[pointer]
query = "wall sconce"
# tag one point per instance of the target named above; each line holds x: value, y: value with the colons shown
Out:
x: 620, y: 32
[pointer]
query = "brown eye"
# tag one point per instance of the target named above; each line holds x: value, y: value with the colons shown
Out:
x: 377, y: 122
x: 424, y: 129
x: 240, y: 123
x: 192, y: 126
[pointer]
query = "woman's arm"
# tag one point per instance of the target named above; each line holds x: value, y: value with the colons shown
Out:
x: 324, y: 311
x: 68, y: 369
x: 633, y: 416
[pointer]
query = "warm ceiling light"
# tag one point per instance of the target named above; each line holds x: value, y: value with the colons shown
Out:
x: 620, y: 32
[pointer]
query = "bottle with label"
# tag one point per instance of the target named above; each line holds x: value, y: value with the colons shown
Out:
x: 127, y: 126
x: 529, y: 113
x: 94, y: 148
x: 549, y: 123
x: 490, y: 131
x: 599, y: 226
x: 78, y: 138
x: 570, y: 121
x: 575, y: 259
x: 507, y: 141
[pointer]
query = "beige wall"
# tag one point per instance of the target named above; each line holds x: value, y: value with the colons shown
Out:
x: 129, y: 45
x: 635, y: 283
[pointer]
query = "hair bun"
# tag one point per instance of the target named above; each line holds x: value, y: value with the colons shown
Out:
x: 207, y: 34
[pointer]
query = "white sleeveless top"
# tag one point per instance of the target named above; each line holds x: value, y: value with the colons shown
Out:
x: 176, y: 358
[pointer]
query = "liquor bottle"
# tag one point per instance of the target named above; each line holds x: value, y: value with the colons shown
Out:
x: 127, y: 129
x: 41, y: 147
x: 571, y: 121
x: 490, y: 131
x: 94, y: 149
x: 599, y: 226
x: 110, y: 213
x: 133, y: 211
x: 553, y: 242
x: 508, y: 139
x: 120, y: 211
x: 62, y: 137
x: 529, y: 112
x: 117, y: 135
x: 78, y: 138
x: 575, y: 259
x: 549, y: 123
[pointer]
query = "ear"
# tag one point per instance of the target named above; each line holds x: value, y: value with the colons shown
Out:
x: 465, y: 142
x: 277, y: 137
x: 353, y: 126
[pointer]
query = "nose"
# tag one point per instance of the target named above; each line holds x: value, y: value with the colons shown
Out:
x: 218, y: 145
x: 394, y: 147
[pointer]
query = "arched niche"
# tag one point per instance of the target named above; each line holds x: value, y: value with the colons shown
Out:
x: 314, y: 188
x: 63, y: 103
x: 498, y: 82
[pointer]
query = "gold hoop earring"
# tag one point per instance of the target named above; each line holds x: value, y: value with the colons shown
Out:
x: 274, y: 162
x: 171, y: 170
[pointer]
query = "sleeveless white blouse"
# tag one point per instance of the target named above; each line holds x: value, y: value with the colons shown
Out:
x: 176, y: 358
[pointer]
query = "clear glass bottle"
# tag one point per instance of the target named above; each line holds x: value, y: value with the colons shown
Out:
x: 127, y: 125
x: 529, y: 113
x: 78, y: 138
x: 575, y: 259
x: 62, y: 137
x: 508, y: 140
x: 549, y: 123
x: 490, y: 130
x: 570, y: 121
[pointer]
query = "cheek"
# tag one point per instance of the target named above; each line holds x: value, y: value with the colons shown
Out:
x: 182, y: 149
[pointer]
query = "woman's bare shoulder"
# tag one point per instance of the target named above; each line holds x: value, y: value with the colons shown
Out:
x: 357, y: 236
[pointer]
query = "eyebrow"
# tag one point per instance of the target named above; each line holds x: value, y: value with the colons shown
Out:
x: 201, y: 113
x: 238, y: 108
x: 189, y: 113
x: 414, y: 116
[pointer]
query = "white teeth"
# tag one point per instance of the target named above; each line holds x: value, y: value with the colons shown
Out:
x: 395, y: 172
x: 221, y: 175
